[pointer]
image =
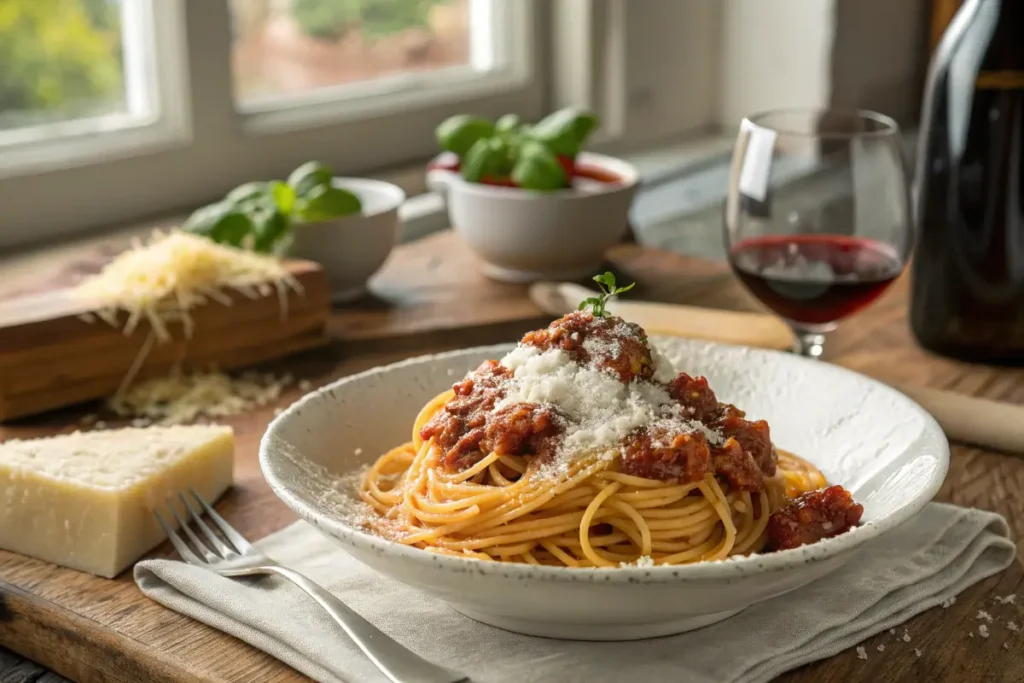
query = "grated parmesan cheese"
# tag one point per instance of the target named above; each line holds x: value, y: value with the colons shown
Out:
x: 983, y: 631
x: 983, y: 615
x: 1010, y: 599
x: 175, y: 272
x: 861, y: 652
x: 182, y: 398
x: 601, y: 410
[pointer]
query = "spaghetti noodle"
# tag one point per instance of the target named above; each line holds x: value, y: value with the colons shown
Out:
x: 659, y: 473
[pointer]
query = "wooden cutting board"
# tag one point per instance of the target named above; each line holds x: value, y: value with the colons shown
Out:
x: 55, y: 351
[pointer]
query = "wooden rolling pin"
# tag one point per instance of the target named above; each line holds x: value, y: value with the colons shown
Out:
x: 966, y: 419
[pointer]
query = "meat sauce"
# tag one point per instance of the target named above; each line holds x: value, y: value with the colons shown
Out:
x: 813, y: 516
x: 471, y: 425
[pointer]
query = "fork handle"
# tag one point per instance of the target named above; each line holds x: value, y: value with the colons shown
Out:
x: 395, y: 661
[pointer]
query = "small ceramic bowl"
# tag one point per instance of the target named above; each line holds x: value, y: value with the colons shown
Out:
x: 353, y: 248
x: 866, y: 436
x: 523, y: 236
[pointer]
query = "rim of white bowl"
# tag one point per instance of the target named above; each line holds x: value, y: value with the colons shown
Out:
x: 732, y: 567
x: 623, y: 169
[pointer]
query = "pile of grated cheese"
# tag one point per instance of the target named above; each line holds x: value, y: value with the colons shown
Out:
x: 184, y: 398
x: 176, y: 271
x: 601, y: 410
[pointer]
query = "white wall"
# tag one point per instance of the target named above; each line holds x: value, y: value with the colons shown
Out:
x: 663, y: 97
x: 880, y: 56
x: 869, y: 54
x: 775, y: 53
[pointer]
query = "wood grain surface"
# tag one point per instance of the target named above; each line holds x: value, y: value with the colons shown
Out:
x: 43, y: 341
x: 92, y: 629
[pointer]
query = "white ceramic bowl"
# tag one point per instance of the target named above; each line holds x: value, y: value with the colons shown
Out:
x: 523, y: 236
x: 864, y: 435
x: 353, y: 248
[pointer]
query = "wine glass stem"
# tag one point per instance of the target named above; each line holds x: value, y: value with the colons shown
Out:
x: 810, y: 344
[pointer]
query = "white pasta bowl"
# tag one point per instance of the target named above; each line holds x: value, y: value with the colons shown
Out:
x: 866, y: 436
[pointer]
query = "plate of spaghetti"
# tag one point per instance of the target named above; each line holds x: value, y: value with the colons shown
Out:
x: 590, y: 482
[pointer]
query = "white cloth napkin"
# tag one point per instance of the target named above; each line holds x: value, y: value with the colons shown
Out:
x: 926, y: 561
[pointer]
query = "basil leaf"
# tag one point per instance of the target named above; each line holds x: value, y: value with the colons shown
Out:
x: 221, y: 223
x: 284, y: 196
x: 268, y: 228
x: 459, y: 133
x: 537, y: 168
x: 326, y: 202
x: 308, y: 177
x: 246, y: 192
x: 509, y: 123
x: 488, y: 157
x: 565, y: 130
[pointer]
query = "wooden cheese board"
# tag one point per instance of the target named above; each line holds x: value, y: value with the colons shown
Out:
x: 55, y: 351
x: 429, y: 298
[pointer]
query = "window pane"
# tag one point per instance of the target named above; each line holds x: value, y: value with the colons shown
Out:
x: 60, y: 60
x: 293, y: 47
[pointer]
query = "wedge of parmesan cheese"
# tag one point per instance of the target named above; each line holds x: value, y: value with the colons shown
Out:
x: 86, y: 500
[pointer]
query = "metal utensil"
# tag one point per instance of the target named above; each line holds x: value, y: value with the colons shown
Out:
x: 237, y: 558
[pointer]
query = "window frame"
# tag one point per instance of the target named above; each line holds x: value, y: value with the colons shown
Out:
x: 204, y: 144
x: 156, y: 78
x: 613, y: 56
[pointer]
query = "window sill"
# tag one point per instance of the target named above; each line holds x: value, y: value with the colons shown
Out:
x: 422, y: 214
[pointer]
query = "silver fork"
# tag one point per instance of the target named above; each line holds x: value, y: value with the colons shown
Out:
x: 238, y: 558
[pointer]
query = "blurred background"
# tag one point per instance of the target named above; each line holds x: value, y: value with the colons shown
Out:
x: 115, y: 112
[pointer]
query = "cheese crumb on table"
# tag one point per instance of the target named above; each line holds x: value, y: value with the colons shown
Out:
x: 861, y: 652
x: 983, y: 631
x: 86, y: 500
x: 183, y: 398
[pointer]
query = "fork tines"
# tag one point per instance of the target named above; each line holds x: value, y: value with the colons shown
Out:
x: 214, y: 549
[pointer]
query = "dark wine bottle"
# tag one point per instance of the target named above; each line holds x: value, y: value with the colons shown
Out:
x: 967, y: 296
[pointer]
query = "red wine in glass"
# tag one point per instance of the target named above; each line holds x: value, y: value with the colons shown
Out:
x: 815, y: 279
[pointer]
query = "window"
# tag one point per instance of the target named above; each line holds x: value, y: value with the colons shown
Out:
x: 64, y: 64
x: 126, y: 109
x: 174, y: 102
x: 76, y: 71
x: 295, y: 51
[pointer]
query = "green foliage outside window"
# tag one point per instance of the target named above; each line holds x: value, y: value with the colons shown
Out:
x: 60, y: 58
x: 331, y: 19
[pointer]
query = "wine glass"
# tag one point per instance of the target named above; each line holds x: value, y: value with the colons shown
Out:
x: 817, y: 218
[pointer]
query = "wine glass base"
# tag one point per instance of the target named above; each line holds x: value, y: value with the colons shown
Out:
x: 810, y: 339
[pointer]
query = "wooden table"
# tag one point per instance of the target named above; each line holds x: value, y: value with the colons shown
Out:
x: 106, y: 631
